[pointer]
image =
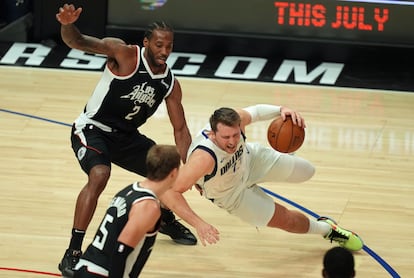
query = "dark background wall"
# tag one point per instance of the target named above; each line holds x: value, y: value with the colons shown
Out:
x: 45, y: 25
x: 329, y: 30
x: 374, y: 40
x: 329, y: 20
x: 348, y: 22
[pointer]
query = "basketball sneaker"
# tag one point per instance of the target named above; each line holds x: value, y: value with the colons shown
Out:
x: 69, y: 261
x: 344, y: 238
x: 177, y: 231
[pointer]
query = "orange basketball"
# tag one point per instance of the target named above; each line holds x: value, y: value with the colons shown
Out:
x: 284, y: 136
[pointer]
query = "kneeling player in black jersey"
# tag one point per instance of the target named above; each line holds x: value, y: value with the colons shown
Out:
x: 131, y: 221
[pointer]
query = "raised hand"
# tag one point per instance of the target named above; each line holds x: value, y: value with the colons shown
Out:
x: 68, y: 14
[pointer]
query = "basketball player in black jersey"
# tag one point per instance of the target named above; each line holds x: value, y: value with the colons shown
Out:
x: 135, y: 81
x: 126, y: 235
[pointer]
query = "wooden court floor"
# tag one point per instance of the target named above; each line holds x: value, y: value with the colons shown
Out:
x: 360, y: 141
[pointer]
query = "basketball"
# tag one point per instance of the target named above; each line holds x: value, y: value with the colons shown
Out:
x: 284, y: 136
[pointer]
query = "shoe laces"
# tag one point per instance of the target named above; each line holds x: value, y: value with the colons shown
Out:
x: 74, y: 256
x: 339, y: 235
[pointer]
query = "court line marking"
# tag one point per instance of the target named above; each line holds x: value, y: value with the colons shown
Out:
x: 383, y: 263
x: 30, y: 271
x: 376, y: 257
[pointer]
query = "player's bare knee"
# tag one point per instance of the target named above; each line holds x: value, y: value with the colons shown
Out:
x: 280, y: 218
x: 98, y: 178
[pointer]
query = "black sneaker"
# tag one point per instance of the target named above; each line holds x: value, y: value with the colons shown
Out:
x: 70, y: 259
x: 177, y: 231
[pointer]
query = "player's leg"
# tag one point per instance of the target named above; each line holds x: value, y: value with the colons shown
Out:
x: 296, y: 222
x: 271, y: 166
x: 257, y: 208
x: 296, y: 169
x: 268, y: 165
x: 91, y: 151
x: 131, y: 155
x: 343, y: 237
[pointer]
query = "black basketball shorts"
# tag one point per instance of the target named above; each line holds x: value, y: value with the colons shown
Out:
x: 93, y: 146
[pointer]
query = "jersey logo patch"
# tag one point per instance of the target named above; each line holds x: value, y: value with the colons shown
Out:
x: 81, y: 153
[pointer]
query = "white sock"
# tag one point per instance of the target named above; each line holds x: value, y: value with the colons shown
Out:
x: 318, y: 227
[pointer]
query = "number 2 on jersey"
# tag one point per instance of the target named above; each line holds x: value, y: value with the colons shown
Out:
x: 133, y: 113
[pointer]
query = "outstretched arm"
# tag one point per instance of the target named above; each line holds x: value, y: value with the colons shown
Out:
x: 73, y: 38
x: 199, y: 164
x: 177, y: 203
x: 121, y: 57
x: 262, y: 112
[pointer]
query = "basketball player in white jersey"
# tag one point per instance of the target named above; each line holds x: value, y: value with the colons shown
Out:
x: 226, y: 170
x: 135, y: 81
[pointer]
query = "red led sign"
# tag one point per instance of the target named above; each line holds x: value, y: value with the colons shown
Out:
x: 350, y: 17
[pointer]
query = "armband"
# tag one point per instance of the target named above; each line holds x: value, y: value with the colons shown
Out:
x: 118, y: 259
x: 262, y: 112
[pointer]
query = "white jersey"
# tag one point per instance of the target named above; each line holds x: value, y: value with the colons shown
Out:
x: 231, y: 170
x: 232, y: 184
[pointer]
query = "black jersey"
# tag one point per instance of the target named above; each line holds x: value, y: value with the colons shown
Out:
x: 124, y: 103
x: 97, y: 256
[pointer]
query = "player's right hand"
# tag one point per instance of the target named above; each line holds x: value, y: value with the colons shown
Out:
x: 207, y: 234
x: 68, y: 14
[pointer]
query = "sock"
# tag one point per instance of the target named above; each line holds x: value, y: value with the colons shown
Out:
x: 77, y: 239
x: 318, y: 227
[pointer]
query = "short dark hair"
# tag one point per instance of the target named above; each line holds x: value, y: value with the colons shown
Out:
x: 161, y: 160
x: 226, y: 116
x: 157, y: 25
x: 338, y: 262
